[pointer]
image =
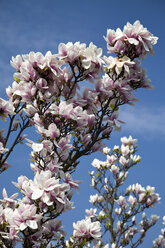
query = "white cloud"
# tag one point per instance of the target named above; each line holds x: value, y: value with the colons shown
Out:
x: 148, y: 121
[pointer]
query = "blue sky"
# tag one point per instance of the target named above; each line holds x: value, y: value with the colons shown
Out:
x: 40, y: 26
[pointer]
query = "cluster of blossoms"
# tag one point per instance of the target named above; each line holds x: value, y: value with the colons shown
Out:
x: 159, y: 242
x: 34, y: 215
x: 46, y: 94
x: 134, y: 39
x: 118, y: 210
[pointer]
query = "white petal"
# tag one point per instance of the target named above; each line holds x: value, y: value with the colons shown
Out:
x: 133, y: 41
x: 37, y: 147
x: 37, y: 194
x: 32, y: 224
x: 22, y: 226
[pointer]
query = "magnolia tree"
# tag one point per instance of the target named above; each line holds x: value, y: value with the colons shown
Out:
x: 73, y: 121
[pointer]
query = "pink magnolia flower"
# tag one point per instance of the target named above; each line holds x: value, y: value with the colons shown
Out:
x: 67, y: 178
x: 70, y: 52
x: 111, y: 158
x: 119, y: 64
x: 45, y: 188
x: 113, y: 39
x: 43, y: 185
x: 102, y: 214
x: 122, y: 202
x: 139, y: 39
x: 12, y: 234
x: 92, y: 54
x: 91, y: 212
x: 92, y: 61
x: 16, y: 62
x: 66, y: 110
x: 28, y: 92
x: 6, y: 108
x: 64, y: 145
x: 86, y: 228
x: 52, y: 131
x: 86, y: 139
x: 125, y: 150
x: 34, y: 58
x: 37, y: 147
x: 132, y: 200
x: 53, y: 228
x: 8, y: 201
x: 21, y: 180
x: 41, y: 84
x: 123, y: 161
x: 26, y: 216
x: 114, y: 169
x: 154, y: 219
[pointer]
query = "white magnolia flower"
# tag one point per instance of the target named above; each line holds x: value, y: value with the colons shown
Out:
x: 118, y: 64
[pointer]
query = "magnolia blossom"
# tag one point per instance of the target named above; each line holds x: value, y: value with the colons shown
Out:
x: 11, y: 235
x: 37, y: 147
x: 16, y: 62
x: 86, y: 228
x: 47, y: 188
x: 2, y: 149
x: 52, y: 131
x: 25, y: 216
x: 114, y: 169
x: 146, y: 196
x: 111, y: 158
x: 122, y: 201
x: 54, y: 227
x: 102, y: 214
x: 118, y: 64
x: 125, y: 150
x: 95, y: 198
x: 6, y: 109
x: 135, y: 158
x: 128, y: 141
x: 138, y: 37
x: 123, y: 160
x: 70, y: 52
x: 8, y: 201
x: 91, y: 212
x: 89, y: 57
x: 106, y: 150
x: 68, y: 179
x: 96, y: 163
x: 132, y: 200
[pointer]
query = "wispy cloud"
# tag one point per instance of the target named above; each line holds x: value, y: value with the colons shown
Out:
x: 148, y: 121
